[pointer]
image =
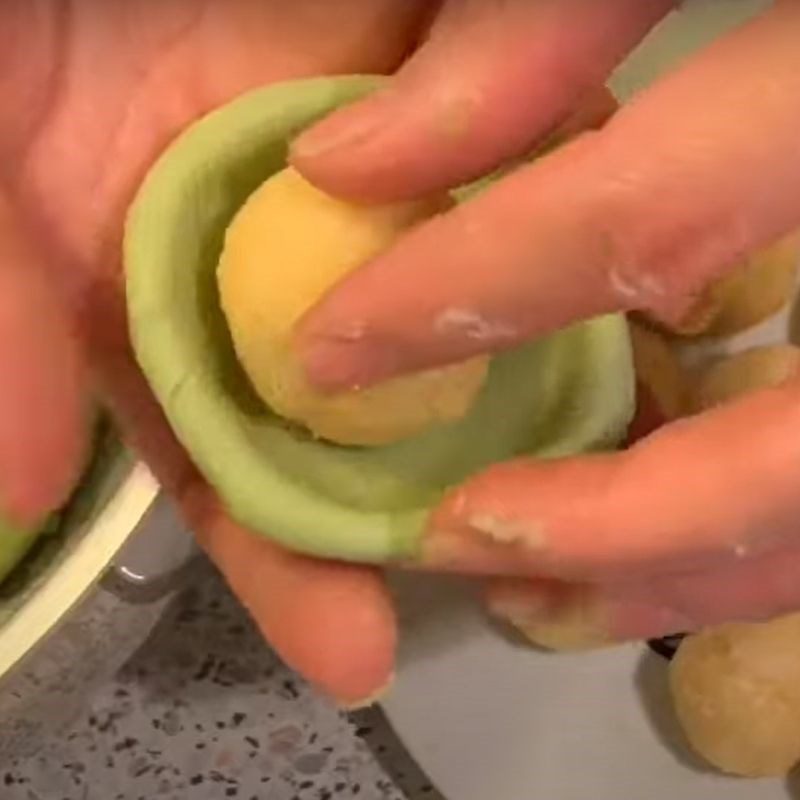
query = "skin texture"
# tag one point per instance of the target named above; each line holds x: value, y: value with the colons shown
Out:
x: 74, y: 141
x: 641, y: 215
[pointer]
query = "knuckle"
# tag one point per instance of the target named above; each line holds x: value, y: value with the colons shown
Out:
x: 663, y: 246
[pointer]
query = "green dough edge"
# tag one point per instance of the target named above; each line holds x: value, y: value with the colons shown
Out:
x: 312, y: 497
x: 15, y: 542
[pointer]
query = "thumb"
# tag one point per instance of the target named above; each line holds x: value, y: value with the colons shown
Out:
x: 492, y: 80
x: 42, y: 408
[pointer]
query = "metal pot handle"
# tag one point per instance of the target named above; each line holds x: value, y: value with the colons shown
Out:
x: 156, y: 559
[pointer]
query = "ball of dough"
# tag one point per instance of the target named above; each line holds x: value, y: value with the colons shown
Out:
x: 659, y: 369
x: 737, y: 696
x: 285, y: 249
x: 661, y: 383
x: 751, y: 293
x: 746, y: 372
x: 759, y: 288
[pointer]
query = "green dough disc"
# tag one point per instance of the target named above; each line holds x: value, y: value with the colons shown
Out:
x: 568, y: 393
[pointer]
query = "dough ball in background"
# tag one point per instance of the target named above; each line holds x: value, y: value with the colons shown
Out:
x: 286, y: 248
x: 759, y: 288
x: 755, y: 290
x: 661, y: 382
x: 746, y: 372
x: 736, y: 690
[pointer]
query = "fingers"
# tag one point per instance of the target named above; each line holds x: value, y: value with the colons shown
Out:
x: 44, y: 417
x: 492, y: 79
x: 640, y: 215
x: 30, y: 34
x: 331, y: 622
x: 566, y: 616
x: 596, y: 106
x: 702, y: 492
x: 662, y: 384
x: 248, y: 43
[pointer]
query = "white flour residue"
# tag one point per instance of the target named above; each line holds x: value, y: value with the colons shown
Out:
x: 639, y: 286
x: 527, y: 534
x: 351, y: 331
x: 621, y: 286
x: 473, y: 325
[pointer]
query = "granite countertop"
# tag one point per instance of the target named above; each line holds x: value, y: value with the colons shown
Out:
x: 205, y: 711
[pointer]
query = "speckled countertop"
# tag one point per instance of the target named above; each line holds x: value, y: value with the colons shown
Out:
x: 205, y: 711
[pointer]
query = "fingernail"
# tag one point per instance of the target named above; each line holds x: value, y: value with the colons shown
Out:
x: 367, y: 702
x: 332, y: 365
x: 342, y: 130
x: 338, y: 362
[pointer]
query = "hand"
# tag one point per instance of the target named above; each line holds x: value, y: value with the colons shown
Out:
x: 90, y: 93
x: 697, y: 523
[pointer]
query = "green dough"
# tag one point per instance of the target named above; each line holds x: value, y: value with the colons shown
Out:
x: 569, y: 393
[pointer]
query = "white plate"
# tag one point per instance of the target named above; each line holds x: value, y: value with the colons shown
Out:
x: 489, y: 719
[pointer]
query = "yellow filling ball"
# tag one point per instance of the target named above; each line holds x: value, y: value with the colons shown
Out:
x: 286, y: 248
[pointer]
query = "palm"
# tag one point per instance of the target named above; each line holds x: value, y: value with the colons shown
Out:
x: 90, y: 93
x: 116, y: 81
x: 122, y: 78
